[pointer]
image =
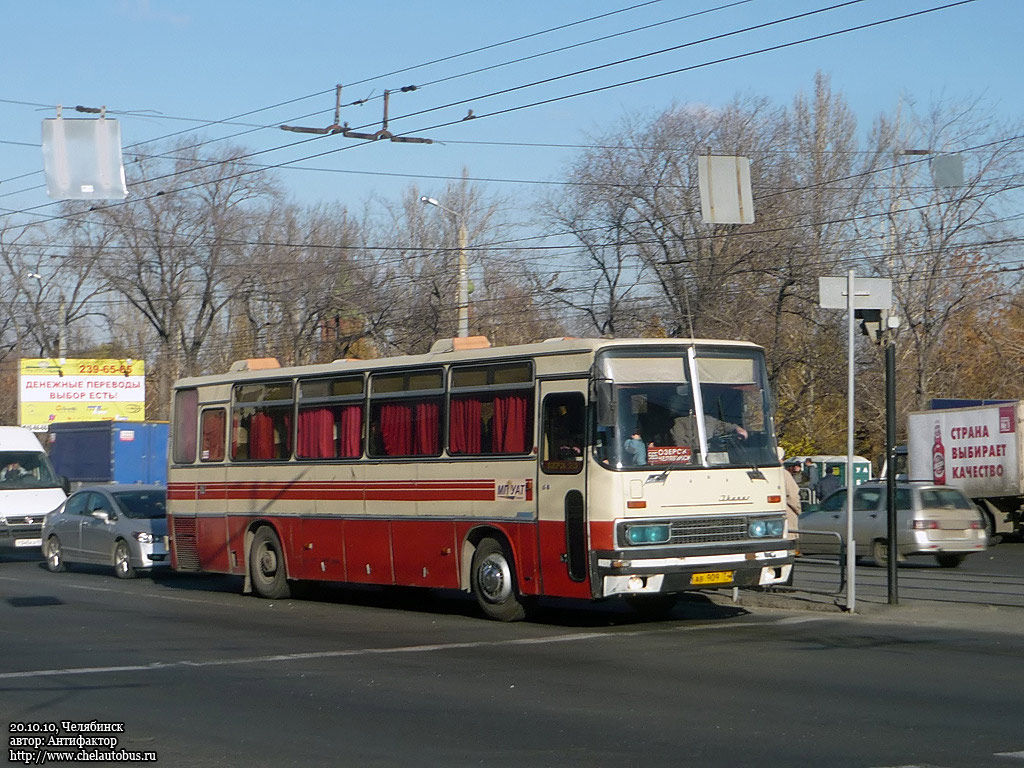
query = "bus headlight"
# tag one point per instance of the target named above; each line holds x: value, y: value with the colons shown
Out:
x: 647, y: 534
x: 762, y: 528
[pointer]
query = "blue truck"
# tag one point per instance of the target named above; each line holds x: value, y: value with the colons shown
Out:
x: 110, y: 451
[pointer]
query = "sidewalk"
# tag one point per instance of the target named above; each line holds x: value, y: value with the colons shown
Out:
x: 876, y: 610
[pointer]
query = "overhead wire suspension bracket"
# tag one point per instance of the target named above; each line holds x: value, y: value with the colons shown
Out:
x: 344, y: 130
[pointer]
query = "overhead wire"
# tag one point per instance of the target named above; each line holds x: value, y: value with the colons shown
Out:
x: 585, y: 92
x: 834, y: 33
x: 750, y: 231
x: 232, y: 120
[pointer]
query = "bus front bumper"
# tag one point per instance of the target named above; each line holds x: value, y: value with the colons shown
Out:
x: 760, y: 564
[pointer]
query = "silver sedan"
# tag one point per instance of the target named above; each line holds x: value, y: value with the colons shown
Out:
x: 931, y: 519
x: 124, y: 526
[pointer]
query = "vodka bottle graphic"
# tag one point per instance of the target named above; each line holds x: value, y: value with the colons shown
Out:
x: 938, y: 457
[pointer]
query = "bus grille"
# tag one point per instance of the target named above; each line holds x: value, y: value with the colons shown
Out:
x: 185, y: 543
x: 706, y: 530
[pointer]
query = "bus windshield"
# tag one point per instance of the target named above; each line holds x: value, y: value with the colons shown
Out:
x: 709, y: 407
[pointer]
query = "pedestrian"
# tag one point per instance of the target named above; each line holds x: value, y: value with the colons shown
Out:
x: 828, y: 484
x: 810, y: 473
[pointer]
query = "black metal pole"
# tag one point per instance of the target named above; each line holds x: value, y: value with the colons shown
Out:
x: 890, y: 474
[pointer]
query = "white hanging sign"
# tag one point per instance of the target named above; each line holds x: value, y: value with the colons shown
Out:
x: 82, y: 159
x: 725, y: 194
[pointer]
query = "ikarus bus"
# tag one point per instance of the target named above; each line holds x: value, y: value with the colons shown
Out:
x: 577, y: 468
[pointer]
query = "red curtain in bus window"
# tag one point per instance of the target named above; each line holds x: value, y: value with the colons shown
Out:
x: 350, y: 432
x: 510, y: 432
x: 261, y: 436
x: 428, y: 432
x: 316, y: 433
x: 465, y: 426
x: 396, y: 429
x: 285, y: 448
x: 213, y: 435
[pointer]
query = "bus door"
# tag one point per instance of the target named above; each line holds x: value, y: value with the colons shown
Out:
x: 561, y: 485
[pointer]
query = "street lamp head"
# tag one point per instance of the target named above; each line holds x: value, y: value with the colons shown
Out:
x: 429, y: 201
x: 35, y: 276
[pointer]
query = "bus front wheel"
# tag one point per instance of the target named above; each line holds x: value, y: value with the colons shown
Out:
x: 494, y: 583
x: 266, y: 565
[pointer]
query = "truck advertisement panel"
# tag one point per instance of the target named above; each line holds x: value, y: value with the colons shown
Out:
x: 974, y: 449
x: 80, y: 390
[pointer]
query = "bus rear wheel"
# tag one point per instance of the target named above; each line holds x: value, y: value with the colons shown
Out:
x: 494, y: 582
x: 266, y: 565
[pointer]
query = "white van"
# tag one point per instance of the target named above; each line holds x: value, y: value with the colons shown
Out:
x: 29, y: 488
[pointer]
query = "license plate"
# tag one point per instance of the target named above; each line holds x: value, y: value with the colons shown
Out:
x: 28, y: 542
x: 712, y: 577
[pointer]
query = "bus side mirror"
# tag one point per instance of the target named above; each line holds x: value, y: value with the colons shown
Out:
x: 607, y: 408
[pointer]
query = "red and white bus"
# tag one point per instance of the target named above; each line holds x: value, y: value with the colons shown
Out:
x: 572, y: 468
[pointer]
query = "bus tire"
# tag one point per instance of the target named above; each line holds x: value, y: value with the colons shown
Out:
x: 493, y: 579
x: 266, y: 565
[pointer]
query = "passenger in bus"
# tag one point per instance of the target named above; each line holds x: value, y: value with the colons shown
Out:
x: 635, y: 449
x: 565, y: 434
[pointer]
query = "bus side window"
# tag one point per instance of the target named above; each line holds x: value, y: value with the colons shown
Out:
x: 186, y: 407
x: 564, y: 428
x: 213, y: 422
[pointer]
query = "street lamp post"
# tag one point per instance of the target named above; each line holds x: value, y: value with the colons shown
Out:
x: 462, y: 294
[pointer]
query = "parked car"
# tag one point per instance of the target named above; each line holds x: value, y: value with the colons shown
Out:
x: 124, y: 526
x: 931, y: 519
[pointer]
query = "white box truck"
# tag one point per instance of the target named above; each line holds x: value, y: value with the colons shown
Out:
x: 976, y: 449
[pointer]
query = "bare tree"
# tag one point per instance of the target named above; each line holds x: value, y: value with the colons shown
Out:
x: 172, y: 249
x: 301, y: 293
x: 944, y: 247
x: 417, y: 269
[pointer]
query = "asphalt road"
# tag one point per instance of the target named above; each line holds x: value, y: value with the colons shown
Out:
x: 204, y: 676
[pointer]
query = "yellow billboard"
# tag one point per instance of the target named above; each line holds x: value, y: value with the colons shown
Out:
x: 80, y: 390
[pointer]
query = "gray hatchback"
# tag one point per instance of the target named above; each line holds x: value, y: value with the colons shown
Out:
x: 930, y: 520
x: 124, y: 526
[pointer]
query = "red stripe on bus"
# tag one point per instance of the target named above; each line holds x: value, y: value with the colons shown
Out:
x: 416, y: 490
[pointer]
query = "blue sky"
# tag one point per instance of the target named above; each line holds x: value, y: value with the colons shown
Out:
x: 163, y: 67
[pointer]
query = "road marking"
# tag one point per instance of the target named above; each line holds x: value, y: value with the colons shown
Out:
x: 122, y: 592
x: 1013, y: 755
x: 290, y: 657
x: 799, y: 619
x: 147, y: 596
